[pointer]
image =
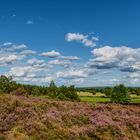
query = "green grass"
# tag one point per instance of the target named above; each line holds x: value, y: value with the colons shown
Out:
x: 88, y: 97
x: 135, y: 99
x: 94, y: 99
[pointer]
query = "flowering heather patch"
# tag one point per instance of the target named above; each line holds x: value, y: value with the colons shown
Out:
x: 37, y: 118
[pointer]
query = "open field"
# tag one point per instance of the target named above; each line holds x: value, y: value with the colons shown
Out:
x: 100, y: 97
x: 94, y: 99
x: 82, y: 93
x: 38, y: 118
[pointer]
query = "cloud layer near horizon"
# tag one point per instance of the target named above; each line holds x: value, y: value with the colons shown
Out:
x: 107, y: 65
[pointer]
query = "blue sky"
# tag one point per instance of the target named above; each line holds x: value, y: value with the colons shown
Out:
x: 81, y: 42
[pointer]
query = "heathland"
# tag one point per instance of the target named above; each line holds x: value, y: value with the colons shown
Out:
x: 67, y: 113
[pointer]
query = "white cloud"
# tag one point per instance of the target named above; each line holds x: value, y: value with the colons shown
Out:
x: 134, y: 75
x: 95, y: 38
x: 30, y: 74
x: 79, y: 81
x: 27, y: 67
x: 134, y: 81
x: 20, y: 71
x: 7, y: 43
x: 81, y: 38
x: 69, y: 57
x: 51, y: 54
x: 111, y: 82
x: 19, y: 47
x: 74, y: 37
x: 35, y: 61
x: 10, y: 47
x: 7, y: 60
x: 47, y: 79
x: 65, y: 63
x: 124, y: 58
x: 71, y: 74
x: 28, y: 52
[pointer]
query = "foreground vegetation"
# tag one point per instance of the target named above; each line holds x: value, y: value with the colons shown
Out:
x: 38, y: 118
x: 29, y: 112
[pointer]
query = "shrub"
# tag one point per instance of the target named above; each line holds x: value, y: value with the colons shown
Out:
x: 61, y: 96
x: 72, y: 95
x: 35, y: 91
x: 120, y: 94
x: 64, y: 92
x: 20, y: 92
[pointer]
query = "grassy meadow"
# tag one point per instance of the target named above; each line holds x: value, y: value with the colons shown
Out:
x: 101, y: 98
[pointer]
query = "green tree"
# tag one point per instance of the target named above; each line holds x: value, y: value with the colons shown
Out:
x: 52, y: 89
x: 108, y: 91
x: 137, y: 91
x: 35, y: 91
x: 7, y: 84
x: 72, y: 95
x: 120, y: 94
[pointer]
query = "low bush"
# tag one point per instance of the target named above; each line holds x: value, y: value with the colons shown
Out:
x: 20, y: 92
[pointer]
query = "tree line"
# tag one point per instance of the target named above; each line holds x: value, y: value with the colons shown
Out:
x: 107, y: 90
x: 9, y: 86
x: 118, y: 94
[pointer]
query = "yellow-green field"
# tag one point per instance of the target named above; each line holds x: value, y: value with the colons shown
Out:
x: 100, y: 97
x: 88, y: 94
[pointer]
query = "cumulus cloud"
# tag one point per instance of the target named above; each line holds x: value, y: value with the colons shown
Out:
x: 84, y: 39
x: 29, y: 66
x: 124, y: 58
x: 25, y: 70
x: 19, y: 47
x: 65, y: 63
x: 30, y: 74
x: 134, y: 75
x: 35, y: 61
x: 7, y: 60
x: 71, y: 74
x: 69, y: 57
x: 18, y: 71
x: 28, y: 52
x: 10, y: 47
x: 51, y: 54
